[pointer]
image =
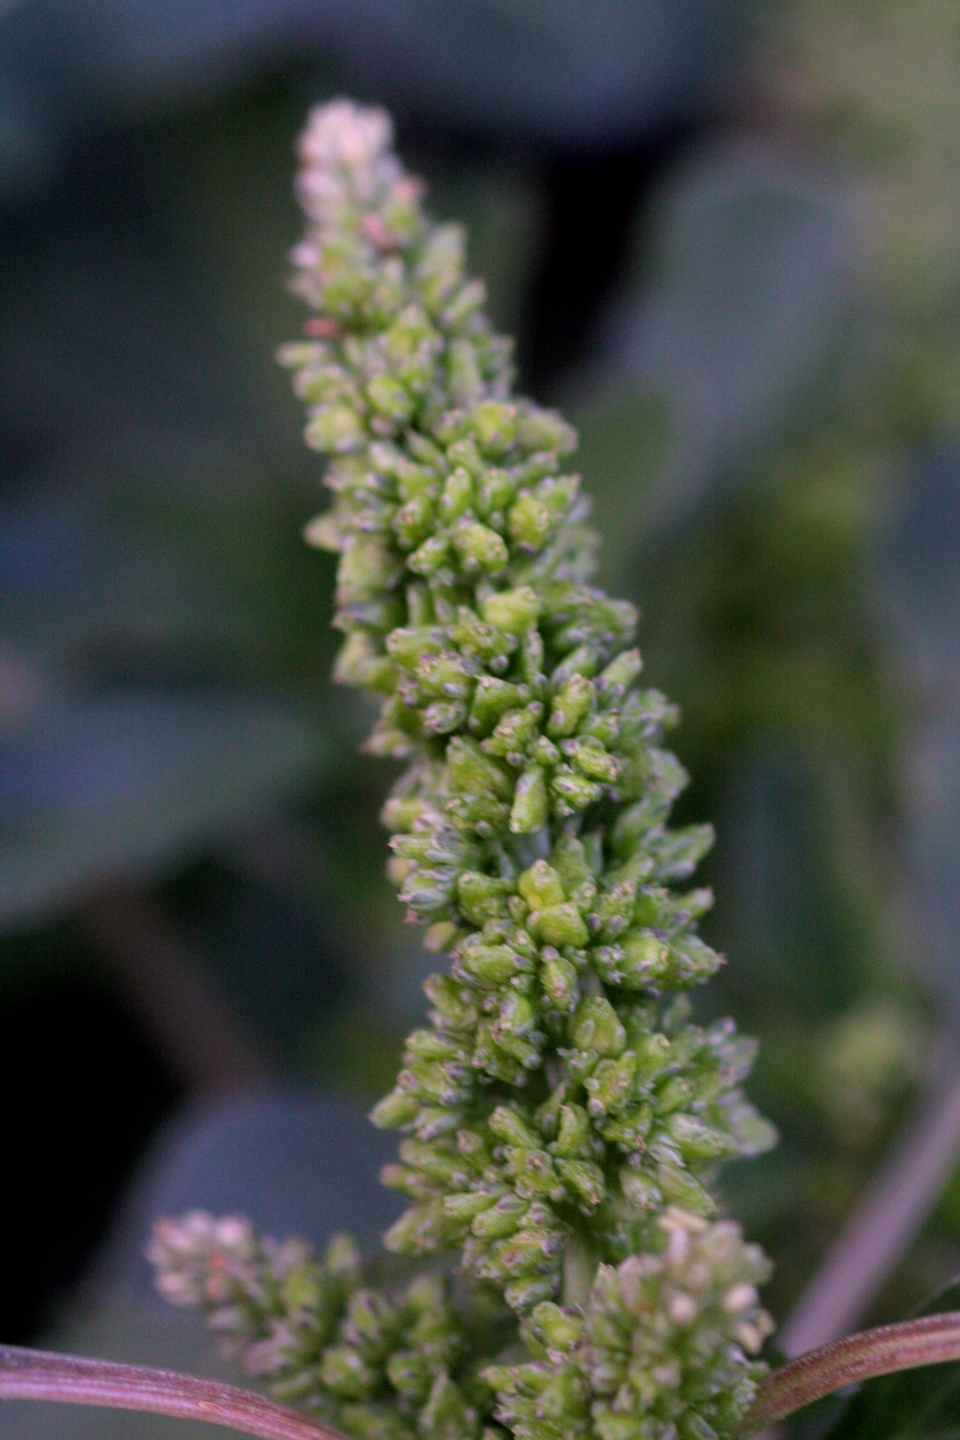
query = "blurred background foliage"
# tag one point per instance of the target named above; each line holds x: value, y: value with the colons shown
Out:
x: 728, y: 243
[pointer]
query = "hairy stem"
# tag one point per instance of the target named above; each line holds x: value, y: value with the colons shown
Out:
x: 930, y: 1340
x: 75, y: 1380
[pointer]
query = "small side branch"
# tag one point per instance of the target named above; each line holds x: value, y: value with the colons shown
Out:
x: 930, y: 1340
x: 73, y: 1380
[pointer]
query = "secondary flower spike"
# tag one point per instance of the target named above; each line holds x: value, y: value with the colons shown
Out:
x: 562, y: 1118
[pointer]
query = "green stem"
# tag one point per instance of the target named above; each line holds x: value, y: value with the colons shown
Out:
x: 580, y: 1262
x: 75, y: 1380
x: 931, y: 1340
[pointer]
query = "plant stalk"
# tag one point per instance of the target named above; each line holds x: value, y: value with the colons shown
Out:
x: 76, y: 1380
x: 929, y: 1340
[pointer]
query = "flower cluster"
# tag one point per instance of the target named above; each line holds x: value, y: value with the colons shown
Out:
x: 642, y: 1105
x: 658, y: 1350
x: 559, y: 1101
x: 380, y: 1367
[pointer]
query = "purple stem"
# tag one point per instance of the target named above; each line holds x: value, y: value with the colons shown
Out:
x: 931, y: 1340
x: 74, y: 1380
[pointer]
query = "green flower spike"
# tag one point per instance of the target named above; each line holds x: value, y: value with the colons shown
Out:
x: 562, y: 1118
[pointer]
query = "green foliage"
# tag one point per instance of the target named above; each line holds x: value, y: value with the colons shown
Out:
x: 562, y: 1118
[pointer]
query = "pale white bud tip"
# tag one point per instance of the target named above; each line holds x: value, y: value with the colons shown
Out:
x: 739, y: 1297
x: 682, y: 1309
x: 232, y: 1232
x: 342, y: 133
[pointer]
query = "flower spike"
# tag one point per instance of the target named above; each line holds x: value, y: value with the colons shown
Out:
x: 562, y: 1118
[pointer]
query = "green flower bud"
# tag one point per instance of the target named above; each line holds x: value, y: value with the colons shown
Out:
x: 494, y: 424
x: 480, y: 548
x: 558, y: 1329
x: 532, y: 655
x: 573, y: 792
x: 493, y: 698
x: 574, y: 1135
x: 559, y: 925
x: 564, y: 1399
x: 621, y: 673
x: 359, y: 663
x: 507, y: 1124
x: 473, y: 773
x: 467, y: 1206
x: 544, y: 430
x: 493, y: 1060
x: 446, y: 1415
x: 324, y: 532
x: 530, y: 803
x: 545, y: 752
x: 522, y: 1295
x: 502, y: 1219
x: 653, y: 1054
x: 430, y: 557
x: 692, y: 961
x: 481, y: 897
x: 614, y: 911
x: 413, y: 521
x: 366, y: 567
x: 335, y: 430
x: 697, y: 1141
x: 496, y: 492
x: 591, y: 759
x: 610, y: 1085
x: 409, y: 1373
x: 680, y: 1188
x: 528, y: 1252
x: 395, y: 1110
x: 512, y: 611
x: 582, y: 661
x: 540, y: 886
x: 408, y: 333
x: 679, y: 852
x: 640, y: 1190
x: 446, y: 674
x: 673, y: 1092
x: 420, y: 1230
x: 389, y: 399
x: 529, y: 523
x: 346, y: 1374
x: 514, y: 733
x: 597, y: 1027
x: 440, y: 270
x: 491, y: 964
x: 463, y: 452
x: 570, y: 706
x: 559, y: 979
x: 464, y: 380
x: 409, y: 646
x: 476, y: 637
x: 456, y: 496
x: 372, y: 1422
x: 646, y: 960
x: 471, y: 298
x: 444, y: 716
x: 453, y: 1005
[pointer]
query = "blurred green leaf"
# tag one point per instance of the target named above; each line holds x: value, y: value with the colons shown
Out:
x: 122, y: 783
